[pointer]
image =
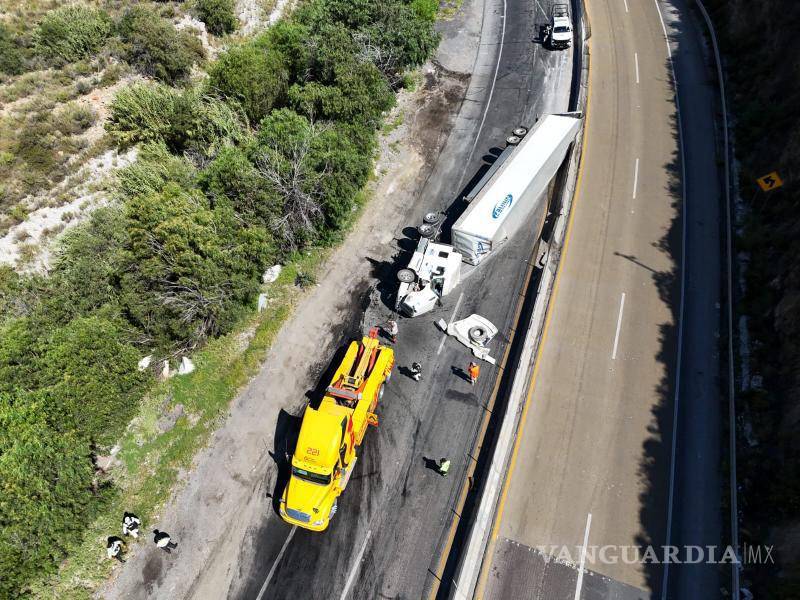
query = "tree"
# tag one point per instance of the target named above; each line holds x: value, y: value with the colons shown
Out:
x: 45, y: 496
x: 10, y: 53
x: 218, y: 15
x: 254, y: 75
x: 192, y: 266
x: 153, y: 45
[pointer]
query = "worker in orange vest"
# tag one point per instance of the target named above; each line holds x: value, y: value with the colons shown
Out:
x: 473, y: 371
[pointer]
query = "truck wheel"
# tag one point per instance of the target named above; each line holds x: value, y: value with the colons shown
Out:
x: 478, y: 334
x: 426, y: 231
x: 433, y: 218
x: 520, y: 132
x: 512, y: 140
x: 406, y: 276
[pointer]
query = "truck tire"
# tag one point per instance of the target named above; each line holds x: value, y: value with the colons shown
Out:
x: 520, y: 132
x: 478, y: 334
x: 406, y: 276
x: 426, y: 231
x: 513, y: 140
x: 433, y: 218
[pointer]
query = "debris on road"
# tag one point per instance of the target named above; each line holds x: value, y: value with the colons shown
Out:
x: 475, y: 332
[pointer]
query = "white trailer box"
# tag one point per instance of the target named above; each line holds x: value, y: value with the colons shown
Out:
x: 510, y: 197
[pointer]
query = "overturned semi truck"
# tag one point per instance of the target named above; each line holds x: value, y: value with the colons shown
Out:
x: 509, y: 199
x: 505, y: 200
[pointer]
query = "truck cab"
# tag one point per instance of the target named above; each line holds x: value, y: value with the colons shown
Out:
x: 559, y: 30
x: 332, y: 431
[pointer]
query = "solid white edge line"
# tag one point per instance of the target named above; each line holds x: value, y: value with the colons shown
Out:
x: 619, y: 325
x: 491, y: 92
x: 626, y: 5
x: 684, y: 207
x: 276, y: 563
x: 636, y: 62
x: 635, y: 178
x: 356, y: 567
x: 579, y: 584
x: 452, y: 318
x: 731, y: 381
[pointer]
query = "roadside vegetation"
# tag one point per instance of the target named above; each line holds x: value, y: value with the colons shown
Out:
x: 760, y: 52
x: 262, y: 162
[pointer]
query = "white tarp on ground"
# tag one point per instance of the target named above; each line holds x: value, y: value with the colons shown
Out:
x: 510, y: 197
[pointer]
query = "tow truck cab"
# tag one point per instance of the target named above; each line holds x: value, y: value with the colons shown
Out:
x: 325, y: 455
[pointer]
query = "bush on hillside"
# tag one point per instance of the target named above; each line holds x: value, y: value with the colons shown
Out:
x: 218, y: 15
x: 254, y: 75
x: 154, y: 168
x: 153, y: 46
x: 46, y: 494
x: 11, y: 62
x: 72, y: 32
x: 182, y: 120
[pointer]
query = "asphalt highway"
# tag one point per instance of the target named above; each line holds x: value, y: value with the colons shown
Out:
x: 394, y: 518
x: 620, y: 444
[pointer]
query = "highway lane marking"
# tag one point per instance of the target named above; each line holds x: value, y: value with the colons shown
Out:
x: 636, y: 62
x: 275, y: 564
x: 452, y: 318
x: 354, y: 571
x: 619, y: 326
x: 540, y: 8
x: 491, y: 93
x: 579, y: 585
x: 635, y: 178
x: 676, y: 398
x: 626, y: 5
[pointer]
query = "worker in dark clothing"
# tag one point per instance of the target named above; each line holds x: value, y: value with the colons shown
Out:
x: 114, y: 548
x: 130, y: 525
x: 416, y: 371
x: 391, y: 330
x: 163, y: 541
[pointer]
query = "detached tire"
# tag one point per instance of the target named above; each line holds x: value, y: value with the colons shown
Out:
x: 406, y: 276
x: 426, y: 231
x: 478, y: 334
x: 433, y: 218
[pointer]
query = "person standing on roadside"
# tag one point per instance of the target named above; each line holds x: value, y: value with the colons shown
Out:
x: 391, y: 330
x: 416, y: 371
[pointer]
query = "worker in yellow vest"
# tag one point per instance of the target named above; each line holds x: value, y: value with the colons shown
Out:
x: 444, y: 466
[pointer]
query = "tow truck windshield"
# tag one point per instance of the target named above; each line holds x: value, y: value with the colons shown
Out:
x: 312, y: 477
x: 561, y: 29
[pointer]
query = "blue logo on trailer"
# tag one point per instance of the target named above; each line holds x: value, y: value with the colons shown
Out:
x: 501, y: 206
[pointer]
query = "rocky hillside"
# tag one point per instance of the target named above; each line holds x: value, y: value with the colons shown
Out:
x: 761, y: 50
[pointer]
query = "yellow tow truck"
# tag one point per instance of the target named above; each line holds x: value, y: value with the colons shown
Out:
x: 325, y: 455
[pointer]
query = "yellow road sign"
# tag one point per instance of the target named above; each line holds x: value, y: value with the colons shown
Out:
x: 770, y: 181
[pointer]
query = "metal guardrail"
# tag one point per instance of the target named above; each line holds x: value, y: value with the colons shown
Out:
x: 729, y: 250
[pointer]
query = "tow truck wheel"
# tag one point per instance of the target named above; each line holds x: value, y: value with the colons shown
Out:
x: 406, y: 276
x: 432, y: 218
x: 426, y: 231
x: 520, y: 132
x: 512, y: 140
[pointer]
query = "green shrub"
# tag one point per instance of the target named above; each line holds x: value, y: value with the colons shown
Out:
x: 45, y: 498
x: 153, y: 46
x: 183, y: 120
x: 72, y: 32
x: 218, y: 15
x: 11, y: 62
x: 154, y: 168
x: 74, y: 119
x: 253, y: 75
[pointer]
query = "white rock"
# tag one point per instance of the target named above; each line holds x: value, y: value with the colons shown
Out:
x: 165, y: 370
x: 271, y: 274
x: 262, y: 302
x: 145, y: 362
x: 187, y: 366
